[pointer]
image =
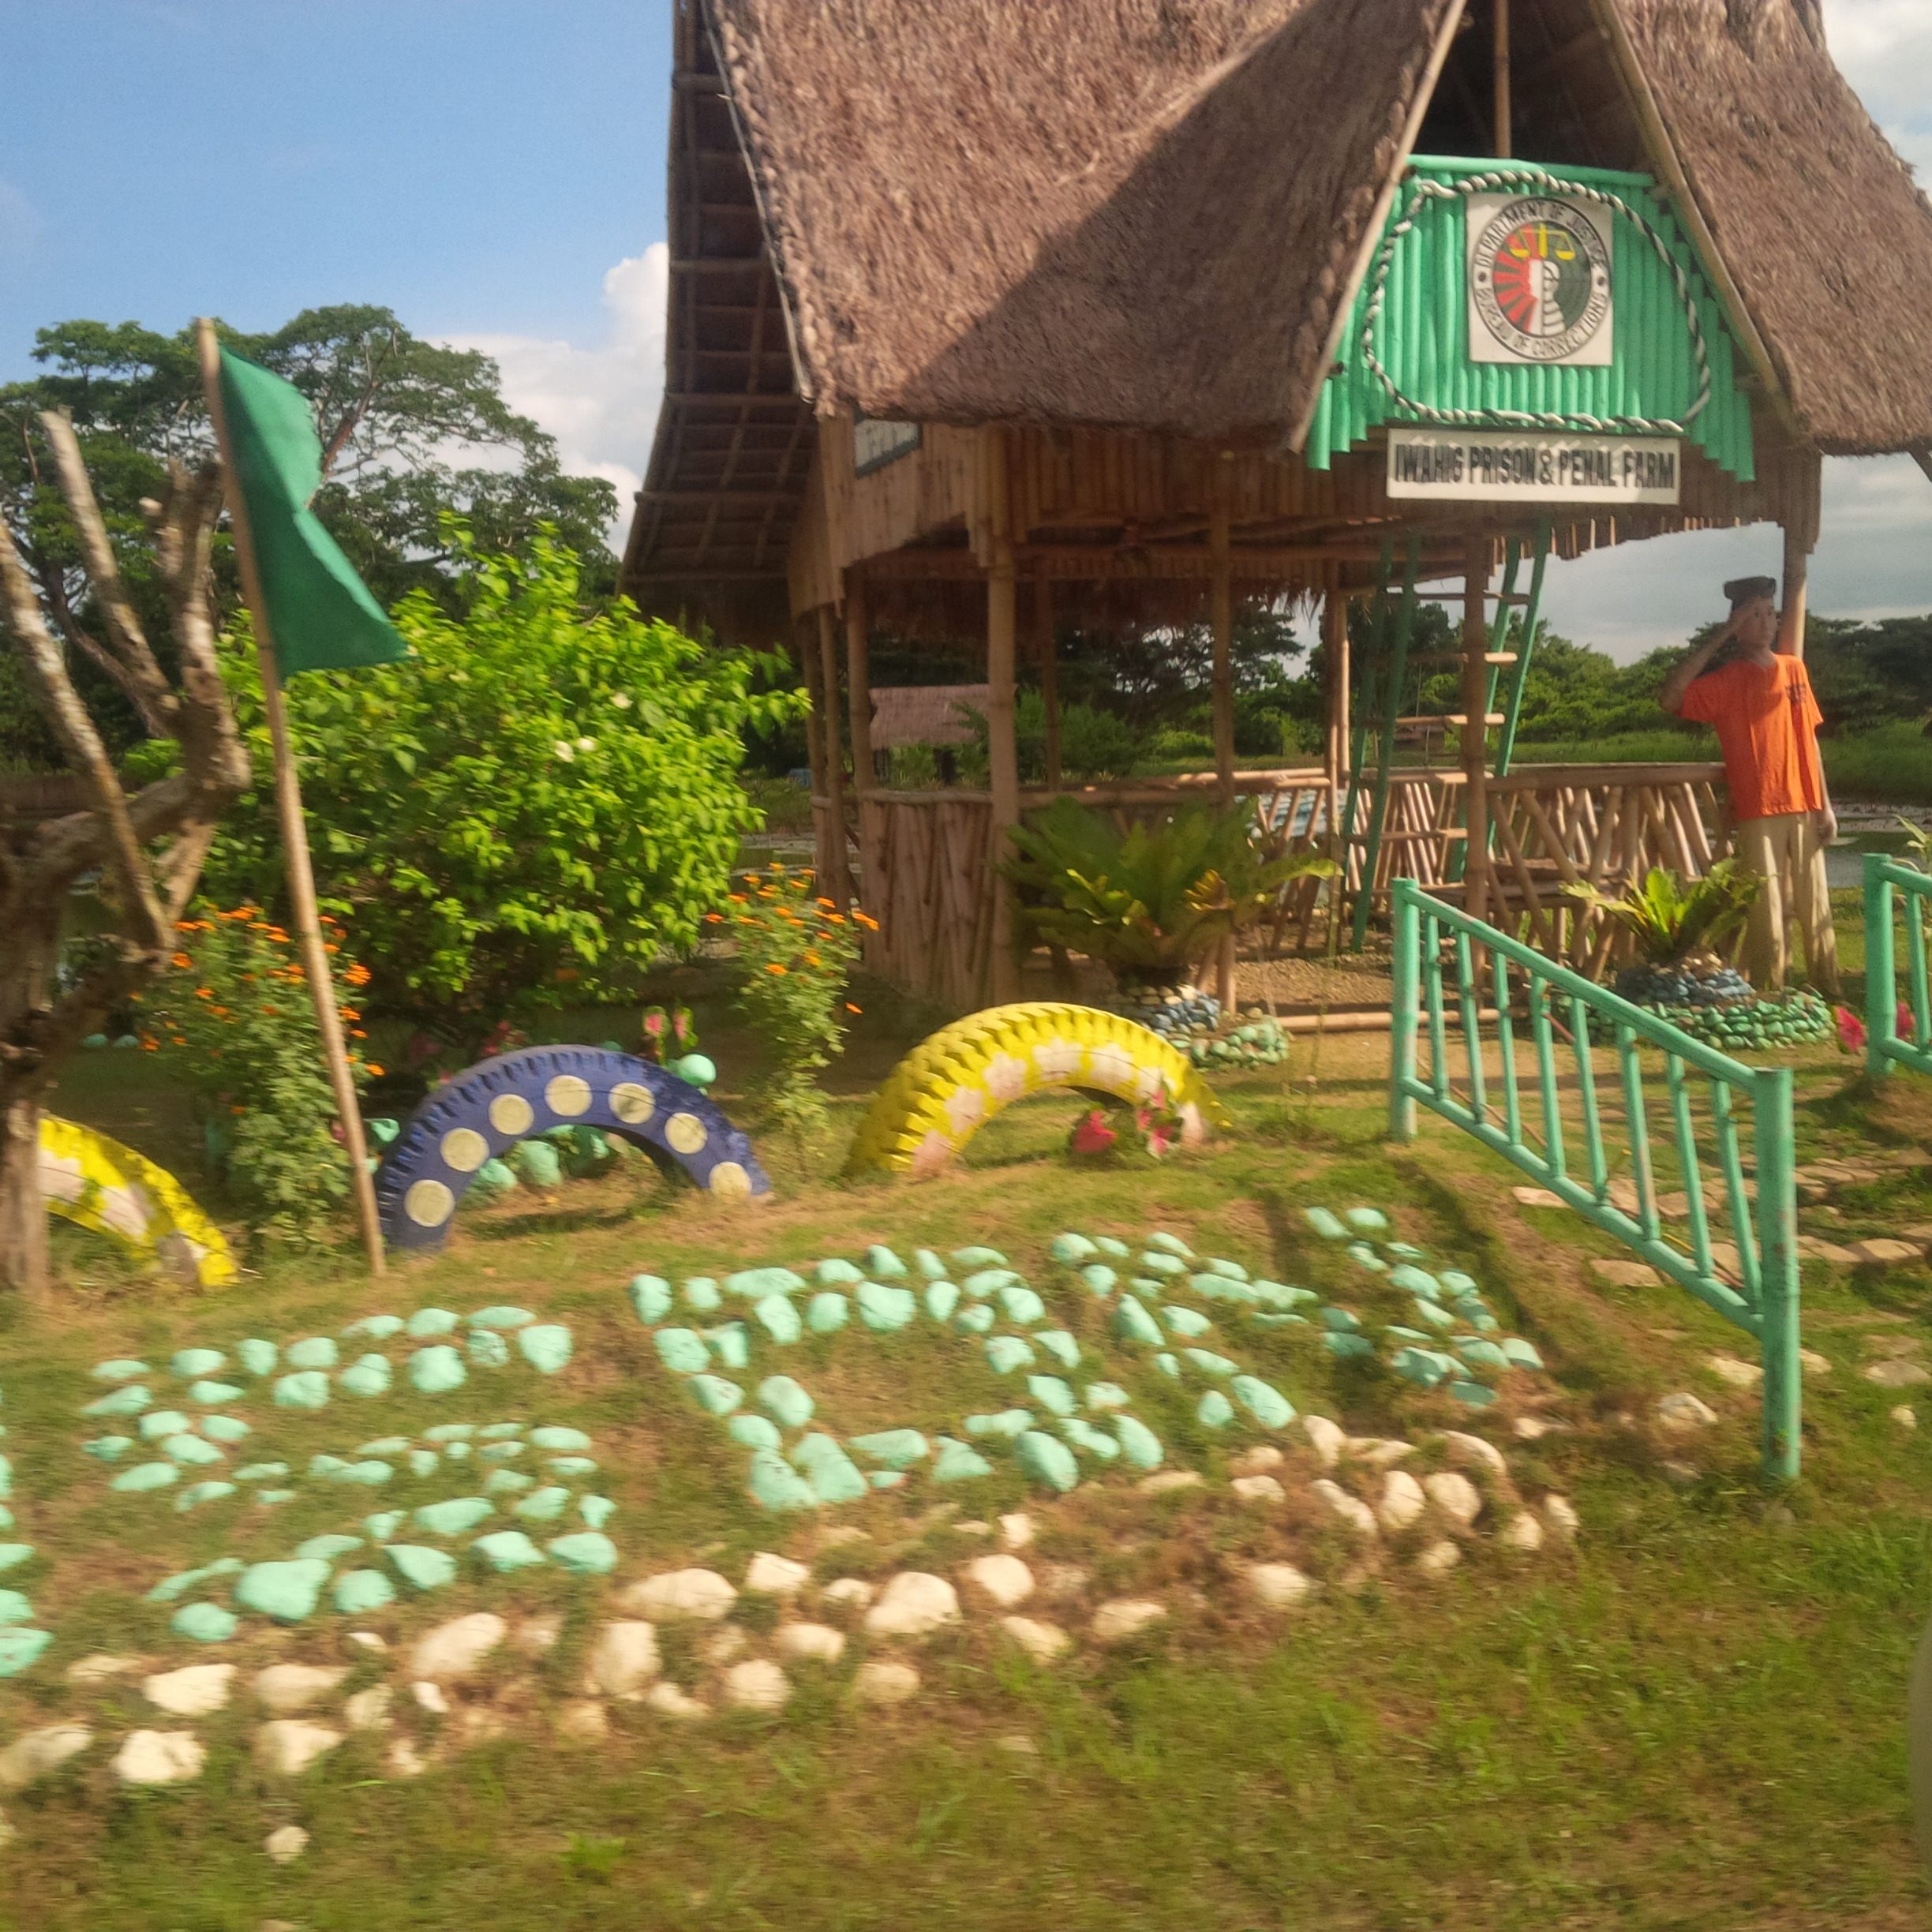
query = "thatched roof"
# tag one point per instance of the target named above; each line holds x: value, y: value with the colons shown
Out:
x: 928, y: 714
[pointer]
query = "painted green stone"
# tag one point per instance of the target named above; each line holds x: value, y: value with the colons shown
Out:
x: 261, y: 1472
x: 1047, y: 1459
x: 268, y: 1498
x: 1150, y: 1287
x: 682, y: 1350
x: 203, y: 1622
x: 452, y: 1517
x: 1169, y: 1365
x: 897, y: 1448
x: 1435, y: 1318
x: 314, y: 1351
x: 1022, y: 1305
x: 833, y: 1476
x: 1425, y: 1366
x: 1474, y: 1394
x: 546, y: 1346
x: 288, y: 1592
x: 377, y: 1328
x: 754, y: 1284
x: 1218, y: 1288
x: 1083, y: 1435
x: 1132, y: 1322
x: 1007, y: 1353
x: 978, y: 1258
x: 191, y: 1362
x: 1408, y: 1250
x: 1348, y: 1347
x: 1061, y: 1346
x: 650, y: 1295
x: 431, y: 1321
x: 256, y: 1357
x: 1103, y: 1395
x: 1072, y: 1249
x: 779, y: 1318
x: 384, y: 1446
x: 506, y: 1482
x: 450, y: 1432
x: 1367, y: 1220
x: 308, y: 1389
x: 197, y: 1493
x: 776, y: 1484
x: 543, y: 1505
x: 361, y: 1591
x: 1280, y: 1321
x: 1008, y: 1422
x: 506, y: 1550
x: 585, y: 1553
x: 1109, y: 1246
x: 785, y: 1401
x: 990, y: 1281
x: 7, y: 1517
x: 837, y: 1273
x: 954, y: 1461
x: 1186, y: 1321
x: 1481, y: 1354
x: 715, y: 1395
x: 1363, y: 1256
x: 943, y: 1297
x: 436, y: 1370
x: 1099, y: 1277
x: 161, y: 1422
x: 1166, y: 1265
x: 1406, y: 1335
x: 597, y: 1510
x: 501, y: 1317
x: 190, y: 1449
x: 929, y: 1265
x: 1262, y: 1401
x: 144, y: 1476
x: 500, y: 1432
x: 1340, y: 1320
x: 826, y: 1313
x: 371, y: 1474
x: 1214, y: 1410
x: 1228, y: 1271
x: 882, y: 1264
x: 883, y: 1307
x: 1207, y: 1362
x: 1139, y: 1444
x: 121, y: 1369
x: 1053, y: 1394
x: 573, y: 1465
x: 1415, y: 1281
x: 488, y: 1350
x: 1278, y: 1295
x: 731, y: 1343
x: 421, y: 1569
x: 1457, y: 1282
x: 754, y: 1432
x: 380, y: 1527
x: 1324, y: 1223
x: 128, y: 1401
x: 1163, y: 1243
x: 976, y: 1319
x: 885, y: 1478
x: 19, y: 1648
x: 551, y: 1436
x: 324, y: 1464
x: 109, y: 1448
x: 326, y: 1549
x: 1477, y: 1317
x: 224, y: 1427
x: 424, y: 1462
x: 1523, y: 1353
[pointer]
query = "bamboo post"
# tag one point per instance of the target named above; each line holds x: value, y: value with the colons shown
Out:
x: 1047, y: 645
x: 303, y: 915
x: 810, y: 670
x: 858, y: 696
x: 1800, y: 535
x: 1475, y: 729
x: 1500, y: 51
x: 1221, y: 620
x: 1003, y: 751
x: 837, y: 887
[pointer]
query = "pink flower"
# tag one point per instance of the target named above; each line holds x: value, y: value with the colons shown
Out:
x: 1903, y: 1025
x: 1851, y: 1031
x: 1093, y: 1136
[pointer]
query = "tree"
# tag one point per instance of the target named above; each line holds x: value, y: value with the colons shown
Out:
x: 110, y: 832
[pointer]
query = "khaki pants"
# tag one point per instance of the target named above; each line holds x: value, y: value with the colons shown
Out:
x: 1786, y: 850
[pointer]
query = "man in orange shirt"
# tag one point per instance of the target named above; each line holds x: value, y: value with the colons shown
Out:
x: 1766, y: 720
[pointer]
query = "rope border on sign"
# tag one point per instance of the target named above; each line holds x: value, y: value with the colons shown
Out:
x: 1504, y: 179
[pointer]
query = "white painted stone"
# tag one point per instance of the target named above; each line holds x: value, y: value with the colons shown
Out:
x: 1439, y: 1558
x: 159, y: 1758
x: 1018, y: 1743
x: 429, y: 1697
x: 103, y: 1668
x: 725, y: 1644
x: 1896, y: 1373
x: 192, y: 1691
x: 757, y: 1684
x: 288, y: 1745
x: 622, y: 1660
x: 700, y: 1594
x: 537, y: 1636
x: 767, y: 1575
x: 1379, y: 1449
x: 1277, y: 1584
x: 817, y: 1643
x: 583, y: 1720
x: 1402, y: 1500
x: 1257, y: 1461
x: 1905, y: 1416
x: 1327, y: 1437
x: 973, y: 1527
x: 836, y: 1536
x: 1124, y: 1617
x: 1016, y: 1530
x: 479, y: 1724
x: 1522, y: 1532
x: 1531, y: 1428
x: 1734, y: 1369
x: 1624, y: 1273
x: 1045, y: 1643
x: 402, y: 1759
x: 1455, y: 1495
x: 1813, y: 1363
x: 286, y: 1688
x: 1473, y: 1452
x: 34, y: 1754
x: 1536, y: 1197
x: 367, y: 1640
x: 1006, y: 1579
x: 913, y: 1603
x: 1258, y: 1489
x: 1685, y: 1475
x: 1352, y: 1510
x: 673, y: 1702
x: 286, y: 1844
x: 368, y: 1710
x: 854, y: 1590
x: 456, y: 1648
x: 885, y: 1681
x: 1561, y: 1513
x: 1058, y: 1582
x: 1683, y: 1411
x: 1162, y: 1481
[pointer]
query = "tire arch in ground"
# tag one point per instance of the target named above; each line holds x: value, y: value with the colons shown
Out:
x: 486, y: 1110
x: 956, y: 1080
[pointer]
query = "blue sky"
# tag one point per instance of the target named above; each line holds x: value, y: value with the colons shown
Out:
x: 494, y: 172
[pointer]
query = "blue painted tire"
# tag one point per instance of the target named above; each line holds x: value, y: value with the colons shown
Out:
x: 484, y: 1112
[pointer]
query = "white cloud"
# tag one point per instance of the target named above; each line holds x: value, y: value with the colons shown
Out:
x: 1884, y: 49
x: 600, y: 403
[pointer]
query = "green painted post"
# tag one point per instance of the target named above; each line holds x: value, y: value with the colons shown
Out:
x: 1777, y: 1236
x: 1881, y: 971
x: 1406, y: 990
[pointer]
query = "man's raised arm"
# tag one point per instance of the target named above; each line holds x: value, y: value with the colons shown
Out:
x: 1684, y: 675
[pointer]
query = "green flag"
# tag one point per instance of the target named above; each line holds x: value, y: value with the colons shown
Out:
x: 319, y: 613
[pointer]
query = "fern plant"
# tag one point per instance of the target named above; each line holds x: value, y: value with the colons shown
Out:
x: 1670, y: 921
x: 1153, y: 902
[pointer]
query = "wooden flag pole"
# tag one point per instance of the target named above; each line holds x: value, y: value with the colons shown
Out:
x: 294, y: 832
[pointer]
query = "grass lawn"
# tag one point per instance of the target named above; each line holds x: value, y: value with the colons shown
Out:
x: 1693, y: 1717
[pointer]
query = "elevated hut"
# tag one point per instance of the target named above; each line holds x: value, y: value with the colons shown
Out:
x: 983, y: 312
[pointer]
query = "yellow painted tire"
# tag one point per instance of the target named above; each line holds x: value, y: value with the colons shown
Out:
x: 954, y: 1082
x: 97, y: 1183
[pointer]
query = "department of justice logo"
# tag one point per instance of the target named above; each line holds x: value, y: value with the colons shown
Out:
x: 1539, y: 281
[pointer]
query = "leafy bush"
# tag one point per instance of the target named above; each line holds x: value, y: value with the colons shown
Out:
x: 1671, y: 921
x: 527, y: 812
x: 797, y: 952
x: 1093, y: 743
x: 236, y: 1003
x: 1154, y: 903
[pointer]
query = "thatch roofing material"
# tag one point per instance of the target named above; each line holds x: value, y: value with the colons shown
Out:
x: 927, y: 714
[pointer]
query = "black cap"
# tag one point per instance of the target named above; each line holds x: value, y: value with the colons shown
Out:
x: 1741, y: 590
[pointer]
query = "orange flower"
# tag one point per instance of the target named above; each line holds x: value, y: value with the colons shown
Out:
x: 871, y: 925
x: 205, y: 992
x: 737, y: 898
x: 274, y: 1012
x: 715, y: 919
x: 357, y: 1033
x: 221, y: 1012
x: 151, y: 1046
x: 850, y: 1008
x: 181, y: 961
x: 357, y: 975
x: 812, y: 959
x: 835, y: 918
x: 374, y: 1071
x: 775, y: 968
x: 828, y: 906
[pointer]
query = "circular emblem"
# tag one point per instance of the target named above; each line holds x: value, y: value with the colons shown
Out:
x: 1540, y: 276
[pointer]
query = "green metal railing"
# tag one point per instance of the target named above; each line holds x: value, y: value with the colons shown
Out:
x: 1755, y: 1286
x: 1891, y: 885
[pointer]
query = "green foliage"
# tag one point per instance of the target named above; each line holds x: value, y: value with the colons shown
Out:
x: 915, y: 768
x: 1670, y: 920
x: 235, y: 1005
x: 1152, y: 903
x: 525, y: 814
x: 1093, y: 743
x: 797, y: 953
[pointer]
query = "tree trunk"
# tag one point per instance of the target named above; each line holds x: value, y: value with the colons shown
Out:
x: 24, y: 1264
x: 26, y: 986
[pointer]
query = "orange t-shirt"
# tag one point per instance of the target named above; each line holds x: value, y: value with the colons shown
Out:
x: 1766, y: 722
